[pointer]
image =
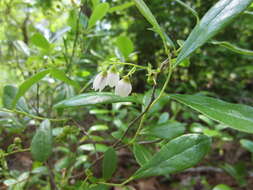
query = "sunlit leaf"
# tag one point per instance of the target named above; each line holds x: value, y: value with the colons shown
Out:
x: 98, y: 13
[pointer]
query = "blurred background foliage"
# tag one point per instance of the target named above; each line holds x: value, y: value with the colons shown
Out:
x: 40, y: 34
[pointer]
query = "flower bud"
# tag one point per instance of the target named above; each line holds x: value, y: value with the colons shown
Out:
x: 124, y: 87
x: 100, y: 81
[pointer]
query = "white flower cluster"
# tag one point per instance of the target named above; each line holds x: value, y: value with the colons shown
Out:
x: 123, y: 87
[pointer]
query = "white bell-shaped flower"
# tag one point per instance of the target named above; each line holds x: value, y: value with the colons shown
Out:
x: 113, y: 77
x: 124, y: 87
x: 100, y: 81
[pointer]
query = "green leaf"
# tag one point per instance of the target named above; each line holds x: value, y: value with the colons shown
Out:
x: 177, y: 155
x: 247, y: 144
x: 189, y: 8
x: 42, y: 142
x: 26, y: 85
x: 222, y: 187
x: 93, y: 98
x: 236, y: 116
x: 168, y: 130
x: 125, y: 45
x: 145, y: 11
x: 233, y: 48
x: 98, y: 13
x: 9, y: 93
x: 219, y: 16
x: 40, y: 41
x: 141, y: 154
x: 121, y: 7
x: 109, y: 163
x: 60, y: 75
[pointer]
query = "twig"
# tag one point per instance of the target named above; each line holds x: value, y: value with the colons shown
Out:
x: 51, y: 177
x: 137, y: 118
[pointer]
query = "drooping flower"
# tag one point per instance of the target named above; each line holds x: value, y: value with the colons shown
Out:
x: 124, y: 87
x: 100, y: 81
x: 113, y: 77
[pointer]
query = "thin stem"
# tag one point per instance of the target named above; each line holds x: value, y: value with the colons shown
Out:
x: 153, y: 103
x: 16, y: 151
x: 130, y: 64
x: 32, y: 116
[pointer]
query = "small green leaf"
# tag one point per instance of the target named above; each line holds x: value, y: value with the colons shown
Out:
x: 219, y: 16
x: 26, y: 85
x: 98, y: 13
x: 42, y: 142
x: 40, y: 41
x: 141, y: 154
x: 168, y: 130
x: 234, y: 48
x: 145, y: 11
x: 97, y: 128
x: 247, y: 144
x: 109, y: 163
x: 60, y: 75
x: 121, y: 7
x: 189, y: 8
x: 236, y: 116
x: 177, y: 155
x: 93, y: 98
x: 222, y: 187
x: 94, y: 147
x: 125, y: 45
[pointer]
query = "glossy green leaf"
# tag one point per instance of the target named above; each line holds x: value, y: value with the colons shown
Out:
x: 26, y: 85
x: 177, y: 155
x: 141, y: 154
x: 40, y: 41
x: 93, y: 98
x: 42, y: 142
x: 219, y: 16
x: 125, y: 45
x: 109, y: 163
x: 121, y: 7
x: 222, y: 187
x: 247, y: 144
x: 145, y: 11
x: 237, y: 116
x: 167, y: 130
x: 60, y: 75
x: 233, y: 48
x: 98, y: 13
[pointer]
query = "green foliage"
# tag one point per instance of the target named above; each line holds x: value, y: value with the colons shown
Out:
x: 234, y: 115
x: 50, y: 54
x: 177, y: 155
x: 220, y: 15
x: 42, y: 142
x: 109, y: 163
